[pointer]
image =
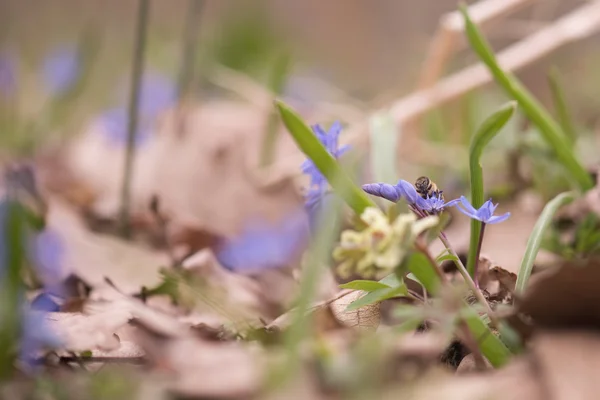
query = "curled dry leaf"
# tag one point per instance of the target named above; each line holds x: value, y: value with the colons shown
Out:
x: 364, y: 318
x: 80, y: 332
x: 566, y: 298
x: 197, y: 163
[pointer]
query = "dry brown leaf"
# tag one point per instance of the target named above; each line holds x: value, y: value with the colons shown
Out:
x: 568, y: 364
x: 93, y: 257
x: 566, y: 298
x: 80, y: 332
x: 199, y: 164
x: 364, y: 318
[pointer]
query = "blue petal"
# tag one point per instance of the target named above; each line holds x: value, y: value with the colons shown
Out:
x: 385, y: 190
x: 467, y: 213
x: 451, y: 203
x: 498, y: 219
x: 465, y: 203
x: 408, y: 191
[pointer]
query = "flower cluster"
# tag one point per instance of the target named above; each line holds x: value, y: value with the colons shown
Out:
x: 317, y: 193
x: 381, y: 247
x: 434, y: 204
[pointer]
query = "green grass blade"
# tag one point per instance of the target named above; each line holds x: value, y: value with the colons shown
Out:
x: 560, y: 106
x: 312, y: 147
x: 535, y: 239
x: 548, y: 128
x: 367, y: 286
x: 486, y: 132
x: 384, y: 139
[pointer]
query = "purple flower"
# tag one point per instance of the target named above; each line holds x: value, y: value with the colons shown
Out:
x: 318, y: 185
x: 404, y: 189
x: 46, y: 251
x: 61, y: 69
x: 157, y: 93
x: 484, y: 214
x: 35, y: 336
x: 265, y: 246
x: 8, y: 75
x: 384, y: 190
x: 329, y: 139
x: 435, y: 204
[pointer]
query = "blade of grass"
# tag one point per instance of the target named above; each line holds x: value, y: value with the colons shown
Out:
x: 535, y: 239
x: 541, y: 118
x: 560, y: 106
x: 137, y: 70
x: 486, y: 132
x: 277, y: 80
x: 384, y: 139
x: 327, y: 165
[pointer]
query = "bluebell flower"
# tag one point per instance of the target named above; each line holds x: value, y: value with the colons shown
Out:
x: 8, y: 76
x: 404, y: 189
x: 383, y: 190
x: 318, y: 186
x: 61, y: 69
x: 484, y: 214
x: 265, y: 246
x: 330, y: 140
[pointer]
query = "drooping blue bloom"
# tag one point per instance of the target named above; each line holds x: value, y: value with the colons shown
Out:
x: 61, y: 69
x: 264, y: 246
x: 404, y: 189
x: 8, y: 76
x: 46, y: 252
x: 484, y: 214
x: 157, y: 93
x: 383, y: 190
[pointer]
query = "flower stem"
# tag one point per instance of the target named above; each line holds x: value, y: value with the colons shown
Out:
x: 475, y: 267
x: 463, y: 271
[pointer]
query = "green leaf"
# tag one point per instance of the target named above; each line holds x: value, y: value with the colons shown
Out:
x: 327, y: 165
x: 412, y: 277
x: 378, y: 296
x: 491, y: 346
x: 409, y: 325
x: 367, y: 286
x: 548, y: 127
x: 535, y: 239
x: 426, y: 275
x: 384, y: 139
x: 447, y: 257
x: 560, y: 106
x: 486, y: 132
x: 391, y: 280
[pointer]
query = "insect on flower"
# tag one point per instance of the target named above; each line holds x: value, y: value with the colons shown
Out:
x: 427, y: 188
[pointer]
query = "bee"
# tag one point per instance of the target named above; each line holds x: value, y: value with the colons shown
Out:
x: 427, y: 188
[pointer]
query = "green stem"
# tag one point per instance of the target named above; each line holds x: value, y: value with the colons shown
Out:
x: 476, y: 265
x: 467, y: 277
x: 136, y: 79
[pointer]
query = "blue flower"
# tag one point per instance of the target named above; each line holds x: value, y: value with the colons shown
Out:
x: 265, y: 246
x: 384, y: 190
x: 404, y: 189
x: 484, y: 214
x: 36, y: 336
x: 8, y: 75
x: 61, y: 69
x: 318, y: 185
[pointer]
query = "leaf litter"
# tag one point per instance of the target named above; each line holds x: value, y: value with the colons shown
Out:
x: 194, y: 326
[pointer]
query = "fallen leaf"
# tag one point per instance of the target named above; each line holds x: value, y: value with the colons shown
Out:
x: 364, y: 318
